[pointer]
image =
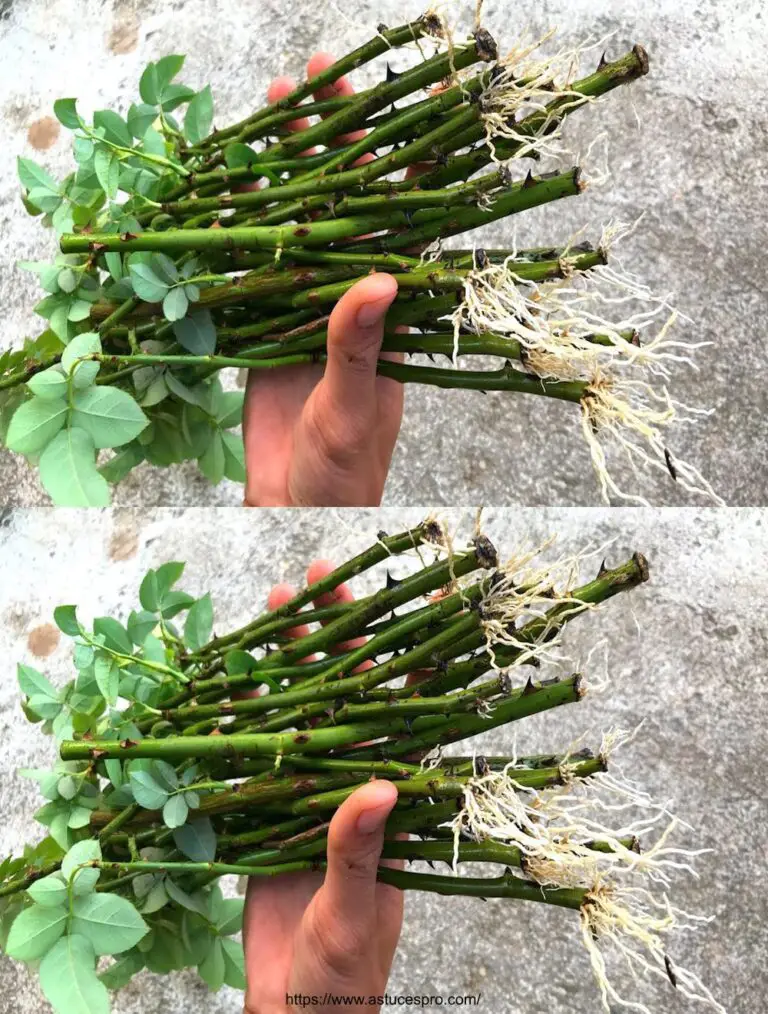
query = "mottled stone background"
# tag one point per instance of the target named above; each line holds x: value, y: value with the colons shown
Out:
x: 685, y: 653
x: 686, y: 146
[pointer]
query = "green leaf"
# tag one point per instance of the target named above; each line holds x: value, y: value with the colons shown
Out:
x: 123, y: 970
x: 229, y: 918
x: 140, y: 119
x: 157, y: 583
x: 196, y: 333
x: 111, y: 923
x: 234, y: 457
x: 68, y: 280
x: 68, y: 787
x: 146, y: 284
x: 197, y: 840
x: 229, y: 409
x: 199, y: 117
x: 114, y: 126
x: 174, y: 602
x: 35, y: 931
x: 50, y: 892
x: 107, y: 675
x: 175, y: 811
x: 156, y: 392
x: 156, y: 899
x: 86, y: 878
x: 33, y: 682
x: 165, y: 774
x: 68, y: 470
x: 175, y: 386
x: 146, y: 791
x: 164, y: 268
x: 65, y: 111
x: 45, y: 200
x: 69, y: 981
x: 157, y: 76
x: 212, y: 462
x: 50, y: 385
x: 47, y: 273
x: 114, y: 634
x: 79, y: 816
x: 199, y: 623
x: 175, y: 304
x: 79, y: 309
x: 127, y: 458
x: 114, y: 264
x: 237, y: 155
x: 65, y: 618
x: 174, y: 95
x: 107, y: 167
x: 175, y: 893
x: 166, y: 954
x: 85, y: 344
x: 83, y: 149
x: 114, y: 770
x: 34, y: 424
x: 43, y: 706
x: 234, y: 964
x: 47, y: 780
x: 212, y: 969
x: 33, y: 176
x: 109, y: 415
x: 140, y: 625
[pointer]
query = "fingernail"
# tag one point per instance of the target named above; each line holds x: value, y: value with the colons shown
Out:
x: 371, y: 313
x: 373, y: 819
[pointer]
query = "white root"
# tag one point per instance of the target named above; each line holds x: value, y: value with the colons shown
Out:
x: 630, y: 924
x: 525, y: 83
x: 555, y: 323
x: 556, y: 831
x: 524, y: 589
x: 629, y: 415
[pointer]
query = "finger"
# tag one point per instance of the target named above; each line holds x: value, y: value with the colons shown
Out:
x: 418, y: 169
x: 355, y: 332
x: 355, y: 841
x: 278, y: 596
x: 340, y: 88
x: 417, y: 676
x: 280, y: 87
x: 318, y: 570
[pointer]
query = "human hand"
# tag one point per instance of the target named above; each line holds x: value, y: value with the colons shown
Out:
x: 331, y: 933
x: 324, y: 435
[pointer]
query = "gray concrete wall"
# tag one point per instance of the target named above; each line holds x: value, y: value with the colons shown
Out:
x: 686, y: 654
x: 686, y: 146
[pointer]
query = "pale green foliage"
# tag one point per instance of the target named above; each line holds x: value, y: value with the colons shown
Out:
x: 74, y: 410
x: 69, y: 917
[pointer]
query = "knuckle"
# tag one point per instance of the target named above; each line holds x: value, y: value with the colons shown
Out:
x: 339, y: 437
x: 337, y: 945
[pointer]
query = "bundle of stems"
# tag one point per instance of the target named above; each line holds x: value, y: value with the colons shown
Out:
x: 234, y: 247
x: 232, y: 753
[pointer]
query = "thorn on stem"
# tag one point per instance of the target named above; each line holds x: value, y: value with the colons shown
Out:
x: 670, y: 464
x: 487, y: 49
x: 670, y: 971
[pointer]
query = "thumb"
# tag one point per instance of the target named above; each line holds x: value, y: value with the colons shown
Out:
x: 355, y: 333
x: 355, y: 841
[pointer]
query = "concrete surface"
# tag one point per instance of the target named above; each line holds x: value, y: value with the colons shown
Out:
x: 686, y: 653
x: 686, y: 146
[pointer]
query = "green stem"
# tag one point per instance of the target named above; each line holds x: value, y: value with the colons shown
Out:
x: 506, y: 886
x: 381, y: 43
